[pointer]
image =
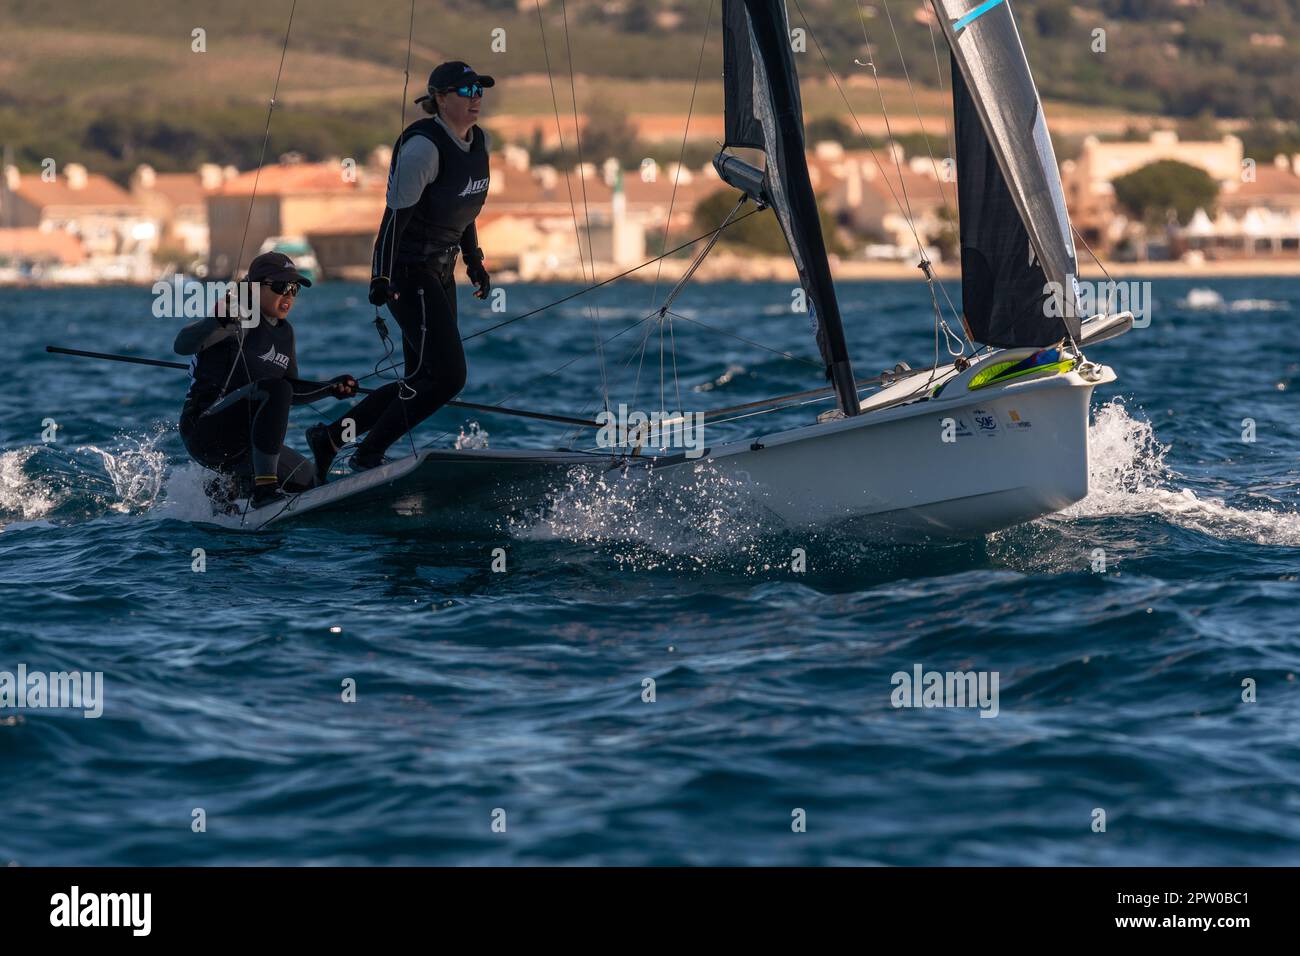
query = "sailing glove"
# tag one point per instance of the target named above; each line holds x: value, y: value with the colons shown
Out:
x: 344, y: 386
x: 478, y: 274
x: 379, y: 290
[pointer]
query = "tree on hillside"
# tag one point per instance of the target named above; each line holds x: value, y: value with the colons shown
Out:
x: 608, y: 132
x: 1053, y: 20
x: 1155, y: 190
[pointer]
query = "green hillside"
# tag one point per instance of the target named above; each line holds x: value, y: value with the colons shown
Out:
x: 116, y: 83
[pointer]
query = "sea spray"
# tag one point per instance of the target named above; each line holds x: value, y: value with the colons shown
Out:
x: 46, y: 481
x: 1128, y: 475
x: 687, y: 517
x: 136, y: 467
x: 22, y: 496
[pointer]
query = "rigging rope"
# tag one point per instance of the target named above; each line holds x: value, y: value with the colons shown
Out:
x: 604, y: 282
x: 594, y: 311
x: 681, y: 154
x: 925, y: 264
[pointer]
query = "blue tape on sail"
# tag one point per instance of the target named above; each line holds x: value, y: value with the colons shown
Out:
x: 975, y: 14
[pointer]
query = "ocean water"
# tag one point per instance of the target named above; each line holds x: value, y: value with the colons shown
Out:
x: 515, y: 698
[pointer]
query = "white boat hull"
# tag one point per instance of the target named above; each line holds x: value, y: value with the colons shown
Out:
x: 958, y: 465
x: 943, y: 469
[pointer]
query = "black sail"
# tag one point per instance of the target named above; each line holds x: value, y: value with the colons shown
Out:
x: 1019, y: 268
x: 763, y: 111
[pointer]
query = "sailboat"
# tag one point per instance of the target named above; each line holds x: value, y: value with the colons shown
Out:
x: 956, y: 451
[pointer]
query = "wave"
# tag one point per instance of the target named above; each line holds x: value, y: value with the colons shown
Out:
x: 47, y: 482
x: 1211, y: 300
x: 1128, y: 475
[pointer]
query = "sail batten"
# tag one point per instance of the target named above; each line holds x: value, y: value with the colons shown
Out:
x: 764, y: 111
x: 1019, y: 266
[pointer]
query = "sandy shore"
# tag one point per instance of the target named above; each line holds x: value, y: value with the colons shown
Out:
x: 730, y: 268
x: 725, y: 268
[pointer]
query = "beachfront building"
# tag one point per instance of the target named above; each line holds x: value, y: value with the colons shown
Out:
x: 884, y: 201
x: 115, y: 232
x: 32, y: 255
x: 542, y: 222
x: 1261, y: 218
x: 177, y: 203
x: 293, y: 200
x: 1089, y: 180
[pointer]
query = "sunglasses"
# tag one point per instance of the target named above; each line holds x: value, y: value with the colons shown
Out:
x: 285, y: 288
x: 469, y: 91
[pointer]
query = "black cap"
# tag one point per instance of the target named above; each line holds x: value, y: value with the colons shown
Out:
x: 275, y: 267
x: 448, y: 76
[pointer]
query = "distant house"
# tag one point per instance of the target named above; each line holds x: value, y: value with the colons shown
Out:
x: 1260, y: 218
x: 177, y: 202
x: 884, y: 196
x: 1088, y: 180
x: 535, y: 215
x: 26, y: 250
x: 103, y: 216
x: 291, y: 199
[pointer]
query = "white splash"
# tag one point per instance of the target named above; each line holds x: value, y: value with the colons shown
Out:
x: 136, y: 469
x: 185, y: 499
x: 1202, y: 300
x: 1259, y: 305
x: 1210, y: 300
x: 472, y: 436
x: 21, y: 495
x: 1128, y: 476
x: 690, y: 516
x: 1126, y: 463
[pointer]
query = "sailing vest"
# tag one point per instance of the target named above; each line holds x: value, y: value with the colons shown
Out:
x: 452, y: 201
x: 268, y: 353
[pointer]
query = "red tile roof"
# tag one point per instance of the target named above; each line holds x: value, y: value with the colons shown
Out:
x: 1271, y: 184
x: 180, y: 189
x: 98, y: 191
x: 281, y: 179
x: 40, y: 244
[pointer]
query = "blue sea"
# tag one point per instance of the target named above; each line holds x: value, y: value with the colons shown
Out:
x: 1148, y: 708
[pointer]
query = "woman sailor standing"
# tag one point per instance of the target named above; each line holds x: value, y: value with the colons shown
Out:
x: 437, y: 184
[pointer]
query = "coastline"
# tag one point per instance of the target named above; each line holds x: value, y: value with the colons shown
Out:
x: 733, y: 268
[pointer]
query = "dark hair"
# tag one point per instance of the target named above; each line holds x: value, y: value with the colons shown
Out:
x: 430, y: 106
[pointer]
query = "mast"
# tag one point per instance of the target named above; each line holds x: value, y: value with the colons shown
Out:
x: 1019, y: 267
x: 763, y: 111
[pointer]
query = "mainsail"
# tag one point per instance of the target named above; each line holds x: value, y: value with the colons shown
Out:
x: 1019, y: 266
x: 763, y: 111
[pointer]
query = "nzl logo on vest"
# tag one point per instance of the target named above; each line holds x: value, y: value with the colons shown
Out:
x: 275, y: 358
x: 475, y: 186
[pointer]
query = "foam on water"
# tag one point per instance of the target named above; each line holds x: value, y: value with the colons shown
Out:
x: 1210, y: 300
x: 1128, y: 476
x: 45, y: 481
x: 21, y: 495
x: 185, y: 500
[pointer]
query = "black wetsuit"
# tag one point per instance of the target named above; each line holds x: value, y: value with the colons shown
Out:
x: 416, y: 249
x: 237, y: 410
